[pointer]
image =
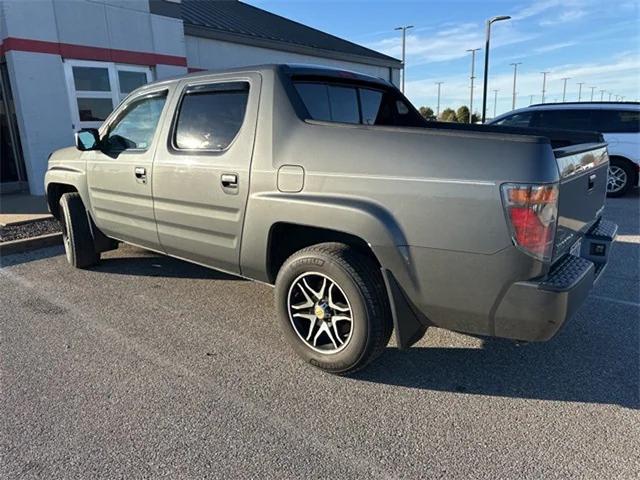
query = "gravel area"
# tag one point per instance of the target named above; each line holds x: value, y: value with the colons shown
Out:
x: 28, y: 230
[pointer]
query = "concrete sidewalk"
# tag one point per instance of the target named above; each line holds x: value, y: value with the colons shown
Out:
x: 16, y: 208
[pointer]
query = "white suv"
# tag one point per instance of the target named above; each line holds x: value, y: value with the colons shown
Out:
x: 619, y: 122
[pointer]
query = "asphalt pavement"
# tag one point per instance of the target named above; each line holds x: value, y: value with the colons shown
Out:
x: 146, y: 366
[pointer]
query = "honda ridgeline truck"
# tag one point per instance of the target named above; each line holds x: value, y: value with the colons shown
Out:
x: 330, y: 186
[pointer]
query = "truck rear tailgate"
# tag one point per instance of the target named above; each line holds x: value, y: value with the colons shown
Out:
x: 583, y: 187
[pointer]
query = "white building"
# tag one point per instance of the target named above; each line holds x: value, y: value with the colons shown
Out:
x: 65, y: 64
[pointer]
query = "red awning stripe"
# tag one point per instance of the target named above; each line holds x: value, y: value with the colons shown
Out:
x: 83, y: 52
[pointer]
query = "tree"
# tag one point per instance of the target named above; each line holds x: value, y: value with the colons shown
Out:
x: 476, y: 118
x: 462, y: 115
x: 427, y: 113
x: 448, y: 115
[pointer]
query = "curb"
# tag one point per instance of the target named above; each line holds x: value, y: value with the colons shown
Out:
x: 33, y: 243
x: 25, y: 222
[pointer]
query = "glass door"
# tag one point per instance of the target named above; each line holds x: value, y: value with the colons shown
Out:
x: 11, y: 162
x: 96, y: 88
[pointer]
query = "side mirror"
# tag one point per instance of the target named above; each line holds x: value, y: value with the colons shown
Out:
x: 87, y: 139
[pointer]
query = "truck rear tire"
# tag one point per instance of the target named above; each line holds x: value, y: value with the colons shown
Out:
x: 333, y: 307
x: 76, y: 232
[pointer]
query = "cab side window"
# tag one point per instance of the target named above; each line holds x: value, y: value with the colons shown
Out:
x: 522, y: 119
x: 135, y: 127
x: 210, y: 116
x: 578, y: 119
x: 616, y: 121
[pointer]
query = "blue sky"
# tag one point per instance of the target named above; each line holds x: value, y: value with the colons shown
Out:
x: 592, y: 41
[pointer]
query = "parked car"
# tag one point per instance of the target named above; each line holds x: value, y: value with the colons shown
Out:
x: 619, y: 122
x: 330, y: 185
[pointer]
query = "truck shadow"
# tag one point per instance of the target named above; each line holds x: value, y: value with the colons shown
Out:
x: 149, y: 264
x: 585, y: 363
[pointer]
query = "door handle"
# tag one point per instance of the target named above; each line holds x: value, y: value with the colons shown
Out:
x: 592, y: 181
x: 229, y: 180
x: 141, y: 174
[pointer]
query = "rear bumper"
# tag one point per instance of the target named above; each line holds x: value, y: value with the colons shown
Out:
x: 536, y: 310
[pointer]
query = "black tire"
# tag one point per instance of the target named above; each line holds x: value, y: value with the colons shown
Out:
x: 76, y: 232
x: 625, y: 168
x: 360, y: 280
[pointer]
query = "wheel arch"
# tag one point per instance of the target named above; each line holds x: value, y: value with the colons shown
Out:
x: 54, y: 194
x: 286, y: 238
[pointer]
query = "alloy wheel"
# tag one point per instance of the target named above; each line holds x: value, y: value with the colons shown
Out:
x: 320, y: 312
x: 616, y: 179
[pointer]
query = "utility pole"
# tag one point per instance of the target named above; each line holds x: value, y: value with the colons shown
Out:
x: 531, y: 99
x: 515, y: 73
x: 438, y: 108
x: 601, y: 95
x: 592, y: 90
x: 404, y: 42
x: 580, y: 91
x: 564, y: 88
x: 473, y: 71
x: 544, y: 84
x: 495, y: 102
x: 486, y: 61
x: 610, y: 96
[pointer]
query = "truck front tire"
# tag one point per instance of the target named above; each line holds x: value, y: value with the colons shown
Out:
x: 333, y: 307
x: 76, y: 232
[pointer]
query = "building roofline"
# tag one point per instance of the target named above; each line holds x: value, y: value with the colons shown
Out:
x: 206, y: 32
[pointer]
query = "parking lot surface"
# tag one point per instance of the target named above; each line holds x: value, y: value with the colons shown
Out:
x: 146, y: 366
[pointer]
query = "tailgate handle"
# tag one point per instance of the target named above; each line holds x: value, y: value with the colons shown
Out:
x: 592, y: 181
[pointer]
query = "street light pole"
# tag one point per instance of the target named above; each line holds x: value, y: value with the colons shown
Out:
x: 544, y: 84
x: 438, y: 107
x: 564, y: 88
x: 592, y: 90
x: 580, y: 91
x: 610, y: 96
x: 601, y: 95
x: 495, y: 102
x: 515, y: 73
x: 531, y: 99
x: 404, y: 42
x: 473, y: 71
x: 486, y: 62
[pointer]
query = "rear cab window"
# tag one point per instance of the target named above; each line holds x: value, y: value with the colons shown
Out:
x: 355, y: 103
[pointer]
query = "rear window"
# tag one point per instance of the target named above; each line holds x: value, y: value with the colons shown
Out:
x: 616, y: 121
x: 332, y: 102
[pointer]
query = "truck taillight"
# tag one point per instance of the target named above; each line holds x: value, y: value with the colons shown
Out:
x: 532, y: 212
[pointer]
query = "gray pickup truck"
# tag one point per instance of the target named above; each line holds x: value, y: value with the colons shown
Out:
x: 329, y: 185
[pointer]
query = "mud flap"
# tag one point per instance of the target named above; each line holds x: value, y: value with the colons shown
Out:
x: 408, y: 327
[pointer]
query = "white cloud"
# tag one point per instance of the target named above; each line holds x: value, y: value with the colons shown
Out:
x: 449, y: 43
x: 564, y: 17
x: 553, y: 47
x: 618, y: 75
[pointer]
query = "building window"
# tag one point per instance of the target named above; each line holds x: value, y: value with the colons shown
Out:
x: 96, y: 88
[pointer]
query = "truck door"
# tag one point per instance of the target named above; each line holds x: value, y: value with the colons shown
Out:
x: 201, y: 171
x: 119, y: 175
